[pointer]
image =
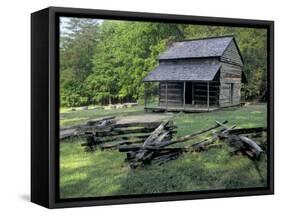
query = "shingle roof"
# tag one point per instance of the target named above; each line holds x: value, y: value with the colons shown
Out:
x: 207, y: 47
x: 190, y: 70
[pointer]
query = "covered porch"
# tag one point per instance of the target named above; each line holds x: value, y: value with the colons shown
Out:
x: 185, y: 85
x: 187, y: 96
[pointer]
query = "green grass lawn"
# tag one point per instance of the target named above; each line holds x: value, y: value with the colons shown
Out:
x: 104, y: 173
x: 75, y: 117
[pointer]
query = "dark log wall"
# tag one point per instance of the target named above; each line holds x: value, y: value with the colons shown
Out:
x: 231, y: 55
x: 230, y: 74
x: 201, y: 93
x: 174, y: 94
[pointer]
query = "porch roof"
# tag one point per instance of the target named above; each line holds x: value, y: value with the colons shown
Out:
x: 191, y: 70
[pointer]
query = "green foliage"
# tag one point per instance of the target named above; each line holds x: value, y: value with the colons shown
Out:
x: 105, y: 61
x: 77, y: 46
x: 126, y: 53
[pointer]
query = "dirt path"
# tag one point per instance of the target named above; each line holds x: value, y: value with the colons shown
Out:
x: 148, y: 117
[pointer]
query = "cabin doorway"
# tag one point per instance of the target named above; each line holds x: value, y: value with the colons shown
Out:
x: 188, y: 92
x: 231, y: 92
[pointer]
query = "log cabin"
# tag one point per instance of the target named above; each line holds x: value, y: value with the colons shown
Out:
x: 199, y: 75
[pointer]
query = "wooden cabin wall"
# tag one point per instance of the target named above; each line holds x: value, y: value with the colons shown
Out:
x: 201, y: 93
x: 174, y: 94
x: 230, y: 74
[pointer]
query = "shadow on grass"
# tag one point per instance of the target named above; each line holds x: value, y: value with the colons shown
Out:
x: 194, y: 172
x: 191, y: 172
x: 104, y: 173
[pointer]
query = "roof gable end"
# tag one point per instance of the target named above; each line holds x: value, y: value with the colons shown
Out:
x: 232, y: 54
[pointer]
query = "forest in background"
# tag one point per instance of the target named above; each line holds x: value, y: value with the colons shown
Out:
x: 105, y: 61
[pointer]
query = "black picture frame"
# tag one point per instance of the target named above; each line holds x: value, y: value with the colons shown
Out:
x: 45, y: 106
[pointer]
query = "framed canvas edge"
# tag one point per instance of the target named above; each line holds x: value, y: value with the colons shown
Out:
x: 54, y: 12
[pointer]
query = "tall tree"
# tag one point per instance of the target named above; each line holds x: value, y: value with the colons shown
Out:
x: 105, y: 61
x: 77, y: 46
x: 126, y: 53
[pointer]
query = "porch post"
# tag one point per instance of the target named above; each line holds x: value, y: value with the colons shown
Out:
x: 192, y: 93
x: 166, y: 94
x: 184, y: 84
x: 208, y: 95
x: 159, y: 93
x: 145, y: 96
